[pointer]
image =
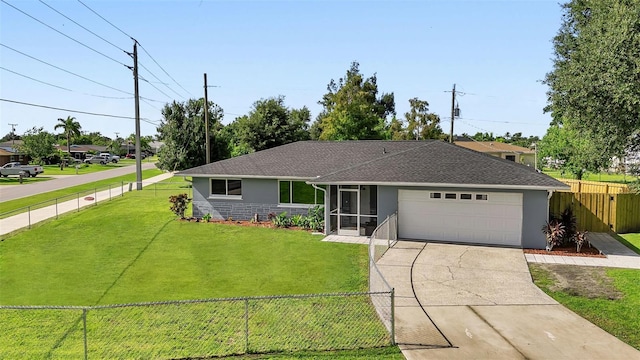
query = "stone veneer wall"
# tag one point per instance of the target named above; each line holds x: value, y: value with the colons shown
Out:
x: 222, y: 210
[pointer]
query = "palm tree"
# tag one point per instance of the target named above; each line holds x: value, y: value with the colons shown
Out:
x: 71, y: 127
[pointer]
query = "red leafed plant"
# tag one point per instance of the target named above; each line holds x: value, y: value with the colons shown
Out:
x: 554, y: 231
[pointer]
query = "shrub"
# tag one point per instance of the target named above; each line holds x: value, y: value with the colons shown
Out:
x: 179, y: 204
x: 568, y: 219
x: 281, y: 220
x: 206, y: 217
x: 554, y: 232
x: 315, y: 218
x: 580, y: 238
x: 300, y: 221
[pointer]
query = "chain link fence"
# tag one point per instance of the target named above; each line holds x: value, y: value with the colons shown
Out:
x: 195, y: 328
x: 382, y: 238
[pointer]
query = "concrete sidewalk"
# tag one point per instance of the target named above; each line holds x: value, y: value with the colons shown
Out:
x: 617, y: 255
x: 12, y: 192
x: 26, y: 219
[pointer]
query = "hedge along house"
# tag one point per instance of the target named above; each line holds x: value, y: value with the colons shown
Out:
x: 440, y: 191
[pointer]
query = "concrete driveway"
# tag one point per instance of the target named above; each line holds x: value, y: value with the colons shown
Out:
x: 475, y: 302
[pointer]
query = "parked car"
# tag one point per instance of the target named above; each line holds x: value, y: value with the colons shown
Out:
x: 102, y: 160
x: 112, y: 158
x: 14, y: 168
x: 133, y: 156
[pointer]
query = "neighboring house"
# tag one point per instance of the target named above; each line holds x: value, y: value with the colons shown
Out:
x: 80, y: 151
x: 155, y: 147
x: 9, y: 153
x: 440, y: 191
x: 510, y: 152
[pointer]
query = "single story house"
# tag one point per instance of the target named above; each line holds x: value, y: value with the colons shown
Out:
x: 10, y: 152
x: 80, y: 151
x: 510, y: 152
x: 440, y: 191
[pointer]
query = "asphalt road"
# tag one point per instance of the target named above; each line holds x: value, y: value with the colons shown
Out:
x: 12, y: 192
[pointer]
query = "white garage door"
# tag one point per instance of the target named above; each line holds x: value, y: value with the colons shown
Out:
x: 473, y: 217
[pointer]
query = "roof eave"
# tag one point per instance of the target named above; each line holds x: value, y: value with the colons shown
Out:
x: 302, y: 178
x: 447, y: 185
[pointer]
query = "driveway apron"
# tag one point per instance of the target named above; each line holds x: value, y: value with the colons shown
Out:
x: 477, y: 302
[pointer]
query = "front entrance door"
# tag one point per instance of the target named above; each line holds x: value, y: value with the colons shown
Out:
x: 348, y: 211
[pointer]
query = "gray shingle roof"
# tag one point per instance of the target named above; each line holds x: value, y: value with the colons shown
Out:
x: 377, y: 161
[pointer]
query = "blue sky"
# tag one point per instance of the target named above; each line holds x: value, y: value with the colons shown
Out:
x: 495, y: 51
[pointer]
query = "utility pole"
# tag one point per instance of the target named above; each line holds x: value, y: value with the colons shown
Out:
x: 453, y: 111
x: 206, y: 122
x: 137, y: 102
x: 13, y: 134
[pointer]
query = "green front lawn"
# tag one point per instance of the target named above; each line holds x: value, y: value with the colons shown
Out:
x: 631, y: 240
x: 16, y: 204
x: 133, y: 249
x: 604, y: 177
x: 619, y: 317
x: 145, y: 254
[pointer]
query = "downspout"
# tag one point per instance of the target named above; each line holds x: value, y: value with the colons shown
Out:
x: 326, y: 200
x: 549, y: 194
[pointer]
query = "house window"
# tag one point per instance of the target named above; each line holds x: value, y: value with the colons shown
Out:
x: 435, y: 195
x: 226, y: 187
x: 510, y: 157
x: 482, y: 197
x: 450, y: 196
x: 299, y: 192
x: 465, y: 196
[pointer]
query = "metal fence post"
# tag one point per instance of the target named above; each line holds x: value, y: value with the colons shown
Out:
x: 109, y: 191
x: 56, y: 208
x: 246, y: 326
x: 78, y: 202
x: 95, y: 196
x: 84, y: 323
x: 122, y: 188
x: 29, y: 214
x: 393, y: 317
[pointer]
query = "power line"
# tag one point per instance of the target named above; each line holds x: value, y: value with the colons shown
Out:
x: 67, y: 71
x: 69, y: 110
x: 64, y: 88
x: 500, y: 121
x: 108, y: 22
x: 174, y: 80
x: 148, y: 103
x: 67, y: 36
x: 30, y: 78
x: 142, y: 47
x: 155, y: 87
x: 73, y: 21
x: 154, y: 75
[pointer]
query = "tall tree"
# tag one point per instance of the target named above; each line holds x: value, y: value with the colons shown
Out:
x: 38, y: 144
x: 422, y: 124
x: 115, y: 146
x: 183, y: 133
x: 269, y: 124
x: 70, y: 128
x: 594, y: 87
x: 92, y: 138
x: 352, y: 109
x: 572, y: 152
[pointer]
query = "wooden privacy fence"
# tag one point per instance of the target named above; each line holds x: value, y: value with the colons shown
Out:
x: 600, y: 212
x: 596, y: 187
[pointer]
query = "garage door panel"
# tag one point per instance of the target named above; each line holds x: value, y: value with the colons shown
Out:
x: 497, y: 220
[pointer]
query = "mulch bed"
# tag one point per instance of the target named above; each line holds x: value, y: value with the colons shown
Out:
x: 586, y: 251
x: 264, y: 224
